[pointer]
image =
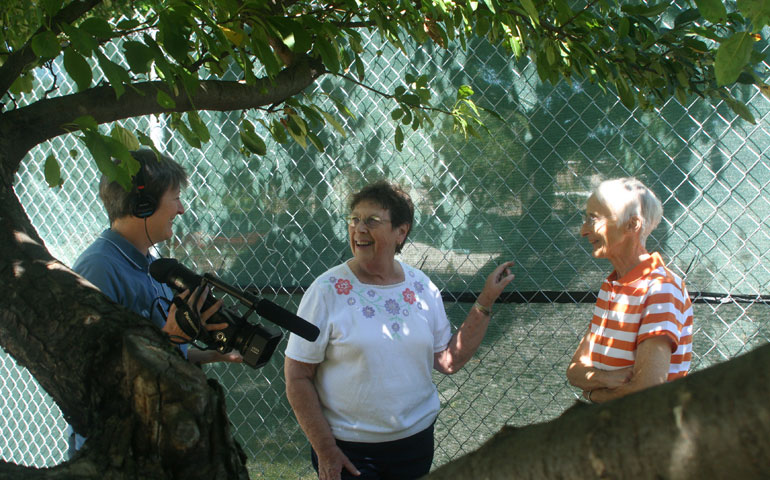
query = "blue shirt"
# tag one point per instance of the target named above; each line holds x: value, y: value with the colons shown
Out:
x: 121, y: 272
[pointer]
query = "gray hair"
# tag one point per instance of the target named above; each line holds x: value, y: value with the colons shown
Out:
x: 161, y: 173
x: 627, y: 198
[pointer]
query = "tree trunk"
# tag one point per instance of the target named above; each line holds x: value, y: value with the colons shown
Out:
x: 712, y: 424
x: 147, y: 412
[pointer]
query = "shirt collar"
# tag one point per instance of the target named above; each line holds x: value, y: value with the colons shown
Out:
x: 128, y: 249
x: 641, y: 270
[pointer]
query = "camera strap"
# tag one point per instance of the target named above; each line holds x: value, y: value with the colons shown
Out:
x: 189, y: 321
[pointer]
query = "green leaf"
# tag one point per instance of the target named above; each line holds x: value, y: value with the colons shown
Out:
x: 145, y: 140
x: 741, y: 110
x: 97, y: 27
x: 52, y: 172
x: 529, y: 7
x: 128, y: 24
x: 695, y: 44
x: 758, y: 11
x: 51, y: 7
x: 411, y: 99
x: 265, y: 54
x: 333, y: 121
x: 341, y: 107
x: 77, y: 68
x: 563, y: 11
x: 119, y: 151
x: 190, y: 137
x: 465, y: 91
x: 490, y: 5
x: 99, y: 149
x: 86, y: 122
x: 81, y: 40
x: 198, y: 126
x: 251, y: 140
x: 625, y: 93
x: 687, y: 16
x: 116, y: 74
x: 732, y: 56
x: 46, y: 45
x: 23, y: 84
x: 125, y: 137
x: 165, y: 100
x: 712, y: 10
x: 550, y: 53
x: 646, y: 10
x: 399, y: 139
x: 138, y: 56
x: 278, y: 131
x: 173, y: 35
x: 360, y: 69
x: 623, y: 27
x: 329, y: 53
x: 300, y: 138
x: 312, y: 115
x: 317, y: 143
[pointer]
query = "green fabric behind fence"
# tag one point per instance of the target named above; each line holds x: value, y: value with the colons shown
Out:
x: 518, y: 193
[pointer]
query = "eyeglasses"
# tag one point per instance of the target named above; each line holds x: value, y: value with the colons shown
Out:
x: 593, y: 219
x: 371, y: 222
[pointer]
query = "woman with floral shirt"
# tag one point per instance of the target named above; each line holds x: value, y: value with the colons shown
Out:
x: 363, y: 392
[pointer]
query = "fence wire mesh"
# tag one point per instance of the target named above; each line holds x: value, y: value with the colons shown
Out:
x: 274, y: 223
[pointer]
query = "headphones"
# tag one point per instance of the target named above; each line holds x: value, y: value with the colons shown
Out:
x: 142, y: 203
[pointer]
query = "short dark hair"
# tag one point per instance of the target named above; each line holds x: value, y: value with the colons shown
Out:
x: 392, y: 198
x: 160, y: 172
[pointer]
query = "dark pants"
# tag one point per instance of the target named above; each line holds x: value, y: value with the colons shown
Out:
x: 405, y: 459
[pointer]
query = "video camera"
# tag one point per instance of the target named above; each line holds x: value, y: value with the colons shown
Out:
x: 255, y: 342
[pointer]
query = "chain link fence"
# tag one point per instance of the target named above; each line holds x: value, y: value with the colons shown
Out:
x: 274, y: 223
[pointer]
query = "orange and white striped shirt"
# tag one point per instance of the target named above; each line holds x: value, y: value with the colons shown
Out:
x: 649, y: 300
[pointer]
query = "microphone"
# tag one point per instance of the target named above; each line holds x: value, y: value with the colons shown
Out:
x: 179, y: 277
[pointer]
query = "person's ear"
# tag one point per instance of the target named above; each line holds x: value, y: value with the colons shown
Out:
x: 634, y: 224
x: 403, y: 230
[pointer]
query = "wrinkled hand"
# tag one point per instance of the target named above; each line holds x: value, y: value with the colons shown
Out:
x: 495, y: 284
x: 331, y: 463
x: 172, y: 329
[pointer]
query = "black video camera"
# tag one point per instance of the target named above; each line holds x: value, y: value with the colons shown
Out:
x: 256, y: 343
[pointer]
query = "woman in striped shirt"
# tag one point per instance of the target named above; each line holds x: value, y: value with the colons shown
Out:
x: 641, y: 331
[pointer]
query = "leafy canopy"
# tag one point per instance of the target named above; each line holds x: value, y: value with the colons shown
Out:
x: 646, y: 52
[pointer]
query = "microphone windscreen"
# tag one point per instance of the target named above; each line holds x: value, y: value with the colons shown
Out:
x: 161, y: 269
x: 284, y: 318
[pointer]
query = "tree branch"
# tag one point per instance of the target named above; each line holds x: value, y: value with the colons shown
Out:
x: 46, y: 119
x: 714, y: 423
x: 17, y: 62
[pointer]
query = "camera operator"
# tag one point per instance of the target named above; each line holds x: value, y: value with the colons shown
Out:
x: 118, y: 261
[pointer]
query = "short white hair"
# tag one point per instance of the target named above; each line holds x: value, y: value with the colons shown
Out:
x: 628, y: 197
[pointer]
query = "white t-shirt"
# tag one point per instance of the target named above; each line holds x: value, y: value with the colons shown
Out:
x: 375, y: 353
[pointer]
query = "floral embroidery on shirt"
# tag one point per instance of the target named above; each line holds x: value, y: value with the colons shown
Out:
x: 391, y: 306
x: 370, y: 303
x: 409, y: 296
x: 343, y: 286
